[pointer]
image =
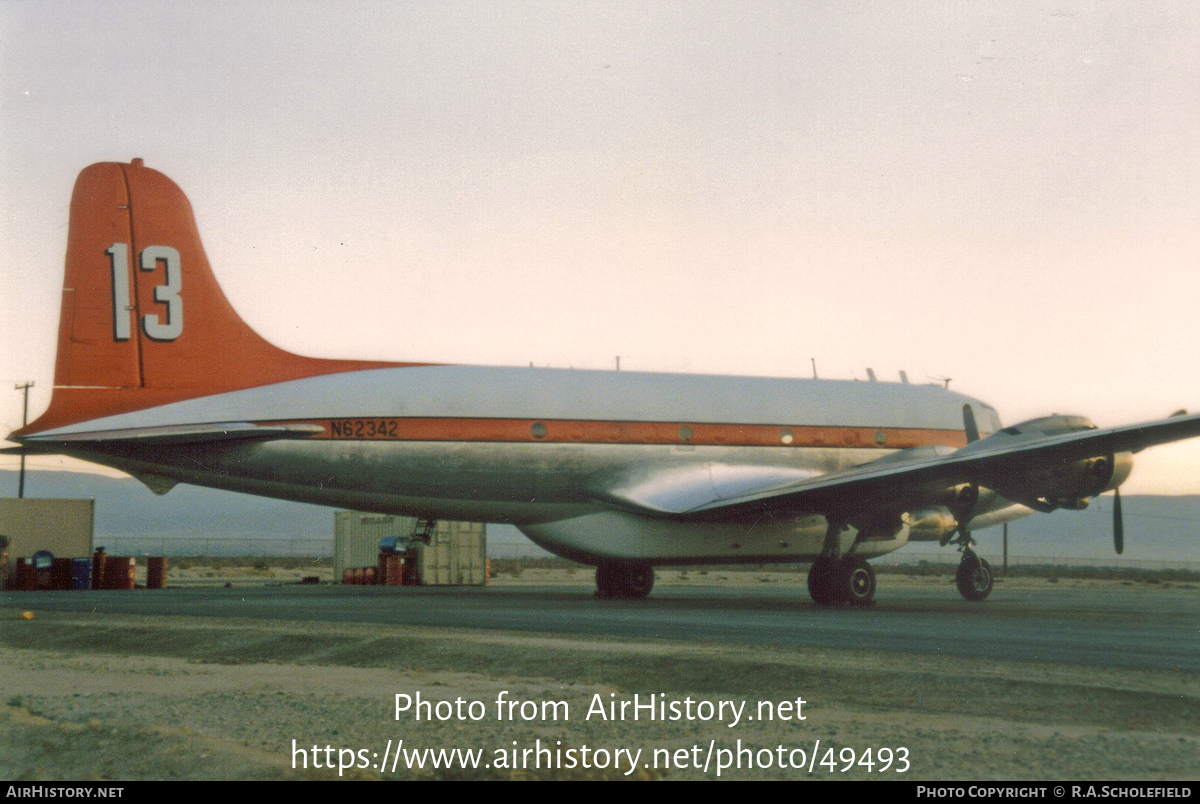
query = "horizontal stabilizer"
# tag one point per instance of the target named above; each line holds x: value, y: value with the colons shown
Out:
x: 181, y: 434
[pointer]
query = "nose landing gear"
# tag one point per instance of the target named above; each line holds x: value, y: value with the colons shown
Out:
x: 974, y: 576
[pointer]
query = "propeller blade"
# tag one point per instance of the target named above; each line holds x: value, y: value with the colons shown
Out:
x: 1118, y: 523
x: 969, y: 424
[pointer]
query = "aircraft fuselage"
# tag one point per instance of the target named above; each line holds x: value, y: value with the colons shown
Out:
x: 539, y: 448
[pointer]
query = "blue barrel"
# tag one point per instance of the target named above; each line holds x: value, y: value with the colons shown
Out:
x: 81, y: 573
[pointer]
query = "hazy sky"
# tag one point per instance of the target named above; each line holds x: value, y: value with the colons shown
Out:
x: 1003, y: 193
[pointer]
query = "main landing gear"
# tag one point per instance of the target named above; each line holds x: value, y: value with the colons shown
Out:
x: 624, y: 579
x: 836, y: 582
x: 974, y: 576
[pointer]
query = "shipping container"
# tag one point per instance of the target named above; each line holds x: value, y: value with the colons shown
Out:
x: 456, y: 555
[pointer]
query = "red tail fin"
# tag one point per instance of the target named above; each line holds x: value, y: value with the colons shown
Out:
x: 144, y: 322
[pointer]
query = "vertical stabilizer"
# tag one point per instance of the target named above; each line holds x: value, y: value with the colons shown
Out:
x: 90, y: 353
x: 144, y: 322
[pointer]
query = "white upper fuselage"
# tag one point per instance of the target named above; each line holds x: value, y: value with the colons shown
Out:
x: 480, y: 392
x: 537, y: 447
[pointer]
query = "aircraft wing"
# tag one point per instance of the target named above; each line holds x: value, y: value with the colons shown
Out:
x: 1006, y: 459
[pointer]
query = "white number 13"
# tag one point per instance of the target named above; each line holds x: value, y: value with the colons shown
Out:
x: 167, y: 294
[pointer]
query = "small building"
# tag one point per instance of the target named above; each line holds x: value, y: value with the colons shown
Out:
x: 62, y: 527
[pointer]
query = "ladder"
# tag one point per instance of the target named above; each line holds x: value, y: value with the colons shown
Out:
x: 424, y: 530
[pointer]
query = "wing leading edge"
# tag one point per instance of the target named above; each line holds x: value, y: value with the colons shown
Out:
x: 1012, y: 460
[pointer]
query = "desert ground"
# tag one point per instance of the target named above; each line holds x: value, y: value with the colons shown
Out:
x: 124, y: 697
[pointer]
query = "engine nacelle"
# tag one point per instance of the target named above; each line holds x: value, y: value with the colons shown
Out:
x: 1069, y: 484
x: 932, y: 523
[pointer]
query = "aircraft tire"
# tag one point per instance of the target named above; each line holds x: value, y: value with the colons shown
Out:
x: 856, y: 579
x: 822, y: 582
x: 607, y: 580
x: 624, y: 579
x: 637, y: 580
x: 974, y: 578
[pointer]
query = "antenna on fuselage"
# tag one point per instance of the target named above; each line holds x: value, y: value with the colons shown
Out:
x: 814, y: 362
x: 904, y: 376
x: 871, y: 374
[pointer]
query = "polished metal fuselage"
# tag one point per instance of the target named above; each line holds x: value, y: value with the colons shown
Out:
x: 445, y: 460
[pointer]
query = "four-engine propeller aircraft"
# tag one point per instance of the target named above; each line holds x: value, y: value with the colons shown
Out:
x: 156, y: 375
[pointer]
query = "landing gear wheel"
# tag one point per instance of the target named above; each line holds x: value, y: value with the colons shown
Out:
x: 836, y: 583
x: 638, y: 580
x: 974, y: 577
x: 822, y: 581
x: 624, y: 580
x: 607, y: 580
x: 857, y: 581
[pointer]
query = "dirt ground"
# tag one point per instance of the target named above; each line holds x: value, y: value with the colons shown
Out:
x: 205, y: 575
x: 120, y: 697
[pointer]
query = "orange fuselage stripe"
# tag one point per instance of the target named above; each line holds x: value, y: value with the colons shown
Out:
x: 617, y: 432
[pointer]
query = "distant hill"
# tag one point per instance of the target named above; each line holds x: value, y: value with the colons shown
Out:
x: 192, y: 520
x: 1157, y: 528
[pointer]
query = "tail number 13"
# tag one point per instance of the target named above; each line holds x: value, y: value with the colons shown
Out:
x: 167, y: 294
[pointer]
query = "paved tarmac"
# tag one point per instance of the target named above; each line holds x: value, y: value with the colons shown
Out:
x: 1117, y: 627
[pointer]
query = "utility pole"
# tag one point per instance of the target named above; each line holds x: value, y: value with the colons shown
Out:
x: 24, y: 421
